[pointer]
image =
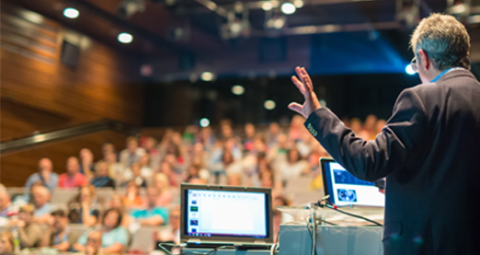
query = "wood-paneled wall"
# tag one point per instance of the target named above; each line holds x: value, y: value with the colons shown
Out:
x: 16, y: 167
x: 38, y: 92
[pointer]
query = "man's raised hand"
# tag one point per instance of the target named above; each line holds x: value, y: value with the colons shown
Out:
x: 305, y: 86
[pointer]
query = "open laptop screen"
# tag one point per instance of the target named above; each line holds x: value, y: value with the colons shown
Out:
x: 226, y: 213
x: 345, y: 189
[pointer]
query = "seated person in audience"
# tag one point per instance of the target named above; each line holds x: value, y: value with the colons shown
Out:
x: 7, y: 210
x: 173, y: 178
x: 171, y: 233
x: 117, y: 203
x: 82, y: 209
x: 115, y: 169
x: 6, y: 243
x: 133, y: 198
x: 108, y: 148
x: 234, y: 180
x: 162, y: 185
x: 102, y: 180
x: 144, y: 163
x: 60, y: 237
x: 198, y: 181
x: 72, y: 178
x: 94, y: 244
x: 132, y: 153
x: 86, y: 163
x: 44, y: 175
x: 193, y: 172
x: 133, y: 174
x: 151, y: 215
x: 43, y: 207
x: 29, y: 232
x: 114, y: 237
x: 295, y: 166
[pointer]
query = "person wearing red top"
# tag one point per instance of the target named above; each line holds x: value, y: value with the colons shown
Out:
x: 72, y: 178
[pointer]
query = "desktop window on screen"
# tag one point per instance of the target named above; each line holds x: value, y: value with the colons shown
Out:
x: 226, y: 213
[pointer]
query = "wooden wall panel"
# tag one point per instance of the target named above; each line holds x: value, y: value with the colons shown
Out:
x: 105, y: 83
x: 16, y: 167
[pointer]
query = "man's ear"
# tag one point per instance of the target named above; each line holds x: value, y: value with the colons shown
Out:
x: 425, y: 61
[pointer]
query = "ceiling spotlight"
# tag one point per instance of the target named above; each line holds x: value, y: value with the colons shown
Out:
x: 71, y: 13
x: 409, y: 70
x: 269, y: 104
x: 298, y: 3
x: 288, y: 8
x: 267, y: 6
x: 238, y: 90
x: 207, y: 76
x: 125, y: 38
x: 204, y: 122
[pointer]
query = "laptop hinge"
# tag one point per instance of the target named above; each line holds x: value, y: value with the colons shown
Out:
x: 258, y: 241
x: 194, y: 240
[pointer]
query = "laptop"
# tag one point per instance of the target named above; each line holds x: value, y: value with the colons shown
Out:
x: 213, y: 216
x: 346, y: 190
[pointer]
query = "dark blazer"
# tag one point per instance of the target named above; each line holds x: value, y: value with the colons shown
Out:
x: 429, y: 151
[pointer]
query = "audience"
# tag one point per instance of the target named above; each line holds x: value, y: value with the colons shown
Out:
x: 28, y: 231
x: 82, y: 209
x: 43, y: 207
x: 7, y: 244
x: 102, y: 180
x: 257, y: 157
x: 132, y: 199
x: 44, y: 175
x: 161, y: 184
x: 72, y: 178
x: 134, y: 175
x: 60, y: 237
x: 132, y: 153
x: 6, y: 208
x: 151, y: 215
x: 94, y: 243
x: 86, y: 163
x: 114, y: 237
x: 171, y: 233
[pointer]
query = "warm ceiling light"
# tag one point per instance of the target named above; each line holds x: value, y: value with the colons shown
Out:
x: 238, y: 90
x: 298, y: 3
x: 269, y: 104
x: 288, y: 8
x: 207, y: 76
x: 125, y: 38
x: 71, y: 13
x: 267, y: 6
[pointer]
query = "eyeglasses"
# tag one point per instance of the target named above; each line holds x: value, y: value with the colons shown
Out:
x: 413, y: 64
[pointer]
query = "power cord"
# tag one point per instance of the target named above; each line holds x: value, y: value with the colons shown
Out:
x: 323, y: 203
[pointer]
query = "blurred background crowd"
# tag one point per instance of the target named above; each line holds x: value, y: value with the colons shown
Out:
x: 138, y: 186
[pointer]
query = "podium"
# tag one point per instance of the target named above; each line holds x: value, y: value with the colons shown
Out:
x: 331, y: 240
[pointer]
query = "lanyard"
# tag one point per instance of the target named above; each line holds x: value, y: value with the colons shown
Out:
x: 444, y: 72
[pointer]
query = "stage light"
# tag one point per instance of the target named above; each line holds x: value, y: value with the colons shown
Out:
x: 125, y: 38
x: 409, y: 70
x: 267, y: 6
x: 288, y: 8
x: 269, y: 104
x: 204, y: 122
x: 207, y: 76
x: 71, y: 13
x: 238, y: 90
x: 298, y: 3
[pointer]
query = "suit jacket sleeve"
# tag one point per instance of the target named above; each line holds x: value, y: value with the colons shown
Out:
x: 392, y: 149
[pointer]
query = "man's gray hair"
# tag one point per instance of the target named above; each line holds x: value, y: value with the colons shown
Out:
x: 445, y: 40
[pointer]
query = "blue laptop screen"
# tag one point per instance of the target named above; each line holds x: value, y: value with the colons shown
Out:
x: 226, y: 213
x: 344, y: 189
